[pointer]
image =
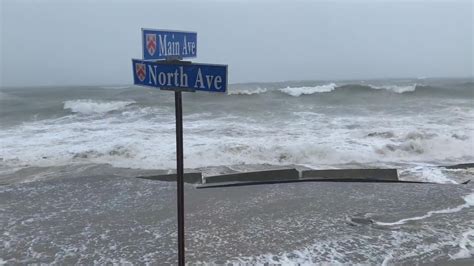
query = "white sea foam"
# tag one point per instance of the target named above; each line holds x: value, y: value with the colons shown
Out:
x: 469, y: 202
x: 92, y: 106
x: 369, y: 251
x: 298, y: 91
x: 466, y: 245
x: 395, y: 88
x: 247, y: 91
x: 428, y: 173
x: 144, y: 138
x: 387, y: 259
x: 416, y: 145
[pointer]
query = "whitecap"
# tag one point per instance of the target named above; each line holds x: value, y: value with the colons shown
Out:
x: 247, y: 91
x: 298, y: 91
x: 395, y: 88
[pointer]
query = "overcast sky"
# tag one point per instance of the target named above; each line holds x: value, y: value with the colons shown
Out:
x: 92, y: 42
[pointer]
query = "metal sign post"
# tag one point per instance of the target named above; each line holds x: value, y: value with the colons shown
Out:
x: 178, y: 76
x: 180, y: 174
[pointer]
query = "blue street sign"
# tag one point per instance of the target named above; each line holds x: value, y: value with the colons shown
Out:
x: 180, y: 75
x: 163, y: 44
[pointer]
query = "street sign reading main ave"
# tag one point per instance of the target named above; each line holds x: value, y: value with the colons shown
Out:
x: 180, y: 75
x: 163, y: 44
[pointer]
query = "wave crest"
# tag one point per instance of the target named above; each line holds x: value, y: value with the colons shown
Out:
x: 413, y: 89
x: 298, y: 91
x: 94, y: 107
x: 248, y: 92
x: 395, y: 88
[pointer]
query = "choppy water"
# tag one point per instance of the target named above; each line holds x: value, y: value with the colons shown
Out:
x: 61, y: 137
x: 414, y: 123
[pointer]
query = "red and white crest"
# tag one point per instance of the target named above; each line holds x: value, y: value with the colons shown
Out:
x: 140, y: 70
x: 151, y: 43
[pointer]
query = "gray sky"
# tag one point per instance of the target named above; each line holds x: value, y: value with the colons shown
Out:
x: 92, y: 42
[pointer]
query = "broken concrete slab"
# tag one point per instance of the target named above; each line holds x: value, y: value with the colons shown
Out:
x: 460, y: 166
x: 308, y: 180
x: 192, y: 177
x: 353, y: 174
x: 268, y: 175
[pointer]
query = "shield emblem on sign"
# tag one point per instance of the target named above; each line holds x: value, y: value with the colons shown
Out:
x: 151, y: 43
x: 140, y: 70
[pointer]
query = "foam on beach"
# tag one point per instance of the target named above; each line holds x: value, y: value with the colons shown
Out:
x: 469, y: 202
x: 334, y: 250
x: 466, y: 246
x: 285, y: 224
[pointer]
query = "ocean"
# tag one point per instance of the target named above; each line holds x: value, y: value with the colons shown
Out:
x: 68, y: 155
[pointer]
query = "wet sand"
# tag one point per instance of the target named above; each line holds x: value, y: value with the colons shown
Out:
x: 101, y: 219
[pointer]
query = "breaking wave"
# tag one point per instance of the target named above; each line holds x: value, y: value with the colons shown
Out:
x: 94, y: 107
x: 395, y: 88
x: 298, y: 91
x: 273, y: 123
x: 248, y: 91
x: 142, y: 146
x: 349, y: 88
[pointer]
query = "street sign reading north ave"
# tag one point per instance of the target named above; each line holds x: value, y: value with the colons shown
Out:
x: 176, y: 75
x: 180, y: 75
x: 163, y: 44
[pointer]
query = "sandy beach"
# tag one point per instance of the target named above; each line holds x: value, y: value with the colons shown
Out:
x: 106, y: 219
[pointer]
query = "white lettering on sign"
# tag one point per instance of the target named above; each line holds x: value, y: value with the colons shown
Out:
x: 218, y: 82
x: 152, y: 75
x: 185, y: 47
x: 208, y: 82
x: 170, y: 79
x: 188, y: 47
x: 168, y: 47
x: 177, y: 78
x: 162, y: 78
x: 183, y: 78
x: 199, y: 80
